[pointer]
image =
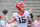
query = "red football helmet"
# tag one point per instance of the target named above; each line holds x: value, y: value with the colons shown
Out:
x: 0, y: 16
x: 19, y: 5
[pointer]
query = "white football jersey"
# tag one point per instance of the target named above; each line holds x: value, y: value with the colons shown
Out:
x: 22, y: 20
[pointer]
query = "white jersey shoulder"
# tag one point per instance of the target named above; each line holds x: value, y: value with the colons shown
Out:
x: 2, y: 23
x: 26, y: 11
x: 14, y: 14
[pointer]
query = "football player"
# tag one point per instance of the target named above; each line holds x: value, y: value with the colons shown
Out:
x: 21, y: 16
x: 2, y: 23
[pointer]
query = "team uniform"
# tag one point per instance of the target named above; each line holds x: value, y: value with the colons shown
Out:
x: 22, y: 19
x: 2, y: 23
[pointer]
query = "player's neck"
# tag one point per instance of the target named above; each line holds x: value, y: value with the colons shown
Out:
x: 21, y: 12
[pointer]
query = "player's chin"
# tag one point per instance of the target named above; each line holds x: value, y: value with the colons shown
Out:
x: 23, y: 10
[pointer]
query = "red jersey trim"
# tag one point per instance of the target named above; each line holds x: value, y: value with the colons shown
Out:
x: 14, y: 18
x: 20, y: 14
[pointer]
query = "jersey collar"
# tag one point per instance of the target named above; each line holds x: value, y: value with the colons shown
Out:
x: 20, y: 14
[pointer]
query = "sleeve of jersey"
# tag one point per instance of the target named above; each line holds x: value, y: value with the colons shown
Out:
x: 14, y: 16
x: 3, y: 23
x: 27, y: 13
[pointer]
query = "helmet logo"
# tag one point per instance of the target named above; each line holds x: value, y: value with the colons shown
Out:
x: 18, y: 3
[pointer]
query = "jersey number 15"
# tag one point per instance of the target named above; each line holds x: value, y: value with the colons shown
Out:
x: 22, y: 20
